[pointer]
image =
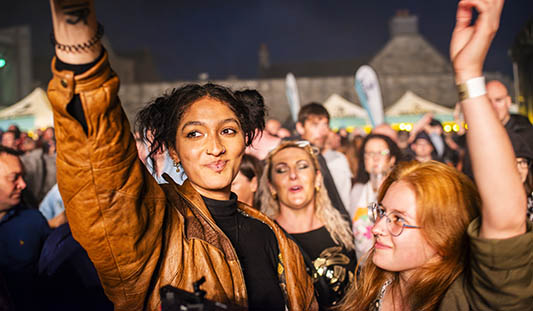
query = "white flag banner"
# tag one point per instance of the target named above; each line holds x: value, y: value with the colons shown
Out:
x: 292, y: 96
x: 369, y: 93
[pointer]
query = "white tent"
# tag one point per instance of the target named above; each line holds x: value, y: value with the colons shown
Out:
x: 338, y: 107
x: 412, y: 104
x: 31, y: 112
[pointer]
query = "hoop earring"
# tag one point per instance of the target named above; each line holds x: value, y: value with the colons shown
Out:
x: 317, y: 188
x: 274, y: 195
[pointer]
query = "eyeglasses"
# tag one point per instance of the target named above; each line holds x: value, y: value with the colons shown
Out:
x: 522, y: 163
x: 380, y: 154
x: 395, y: 223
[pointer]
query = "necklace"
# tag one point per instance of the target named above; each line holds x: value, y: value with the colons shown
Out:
x: 376, y: 304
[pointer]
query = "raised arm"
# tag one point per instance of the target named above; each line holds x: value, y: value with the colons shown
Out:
x: 114, y: 207
x: 493, y: 161
x: 75, y: 25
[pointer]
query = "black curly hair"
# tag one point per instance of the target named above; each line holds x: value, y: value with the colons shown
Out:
x: 161, y: 116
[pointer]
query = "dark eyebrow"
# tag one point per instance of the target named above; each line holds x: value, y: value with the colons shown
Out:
x: 229, y: 120
x: 191, y: 123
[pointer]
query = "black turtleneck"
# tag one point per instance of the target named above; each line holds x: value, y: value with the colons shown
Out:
x: 257, y: 249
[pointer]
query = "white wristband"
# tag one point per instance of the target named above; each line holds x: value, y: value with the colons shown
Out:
x: 472, y: 88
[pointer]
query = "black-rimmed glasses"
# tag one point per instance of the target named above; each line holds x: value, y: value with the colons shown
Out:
x: 395, y: 223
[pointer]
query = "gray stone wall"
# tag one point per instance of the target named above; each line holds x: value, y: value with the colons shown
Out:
x: 438, y: 88
x: 135, y: 96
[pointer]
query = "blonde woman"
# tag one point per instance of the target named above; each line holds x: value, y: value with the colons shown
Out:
x: 431, y: 250
x: 293, y: 195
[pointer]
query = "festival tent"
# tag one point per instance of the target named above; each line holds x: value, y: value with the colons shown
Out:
x: 343, y: 113
x: 32, y: 112
x: 410, y: 107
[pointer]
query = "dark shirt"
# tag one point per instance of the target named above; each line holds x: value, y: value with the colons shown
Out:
x: 257, y: 250
x: 334, y: 265
x: 517, y: 125
x: 521, y: 126
x: 71, y: 279
x: 22, y: 234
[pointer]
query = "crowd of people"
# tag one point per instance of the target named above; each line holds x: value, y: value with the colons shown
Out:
x: 270, y: 216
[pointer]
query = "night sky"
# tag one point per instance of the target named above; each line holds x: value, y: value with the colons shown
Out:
x: 223, y: 37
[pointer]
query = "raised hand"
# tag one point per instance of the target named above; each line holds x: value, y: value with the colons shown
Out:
x: 503, y: 209
x: 75, y: 26
x: 470, y: 42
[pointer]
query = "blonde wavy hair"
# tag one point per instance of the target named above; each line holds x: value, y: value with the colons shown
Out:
x: 336, y: 225
x: 446, y: 201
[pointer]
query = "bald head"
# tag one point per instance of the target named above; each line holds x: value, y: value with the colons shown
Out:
x: 500, y: 99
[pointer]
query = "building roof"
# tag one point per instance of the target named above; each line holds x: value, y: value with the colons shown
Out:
x: 330, y: 68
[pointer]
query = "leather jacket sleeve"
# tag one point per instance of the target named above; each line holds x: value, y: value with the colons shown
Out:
x: 114, y: 207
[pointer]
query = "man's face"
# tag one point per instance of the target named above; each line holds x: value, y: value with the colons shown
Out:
x: 500, y: 99
x: 315, y: 130
x: 11, y: 181
x: 8, y: 140
x: 422, y: 148
x: 272, y: 127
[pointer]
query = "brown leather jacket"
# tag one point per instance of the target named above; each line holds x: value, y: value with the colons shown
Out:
x: 140, y: 235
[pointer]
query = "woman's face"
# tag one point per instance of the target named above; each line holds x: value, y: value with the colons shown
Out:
x: 523, y: 168
x: 244, y: 188
x: 377, y: 156
x: 408, y: 251
x: 294, y: 178
x: 209, y: 145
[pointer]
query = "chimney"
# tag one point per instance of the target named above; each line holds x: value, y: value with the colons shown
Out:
x: 403, y: 24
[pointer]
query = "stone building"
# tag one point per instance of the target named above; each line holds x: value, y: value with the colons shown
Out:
x: 406, y: 62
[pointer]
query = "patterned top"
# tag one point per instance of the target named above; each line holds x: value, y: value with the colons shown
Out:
x: 360, y: 197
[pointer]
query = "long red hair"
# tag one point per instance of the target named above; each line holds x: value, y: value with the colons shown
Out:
x: 447, y: 201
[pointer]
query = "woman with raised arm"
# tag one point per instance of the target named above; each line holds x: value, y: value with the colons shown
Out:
x: 141, y: 235
x: 439, y: 243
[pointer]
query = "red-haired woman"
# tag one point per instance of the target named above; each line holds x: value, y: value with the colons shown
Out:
x: 431, y: 251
